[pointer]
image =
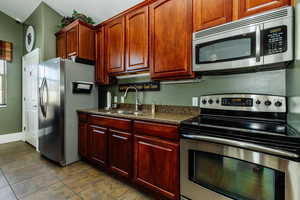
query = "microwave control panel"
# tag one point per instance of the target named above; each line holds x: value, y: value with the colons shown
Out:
x: 275, y: 40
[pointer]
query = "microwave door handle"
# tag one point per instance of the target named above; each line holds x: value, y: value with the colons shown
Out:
x: 245, y: 145
x: 258, y: 43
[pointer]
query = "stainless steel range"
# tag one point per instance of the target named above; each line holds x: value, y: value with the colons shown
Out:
x: 240, y: 147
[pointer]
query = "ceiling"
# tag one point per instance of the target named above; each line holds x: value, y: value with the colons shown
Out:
x: 99, y: 10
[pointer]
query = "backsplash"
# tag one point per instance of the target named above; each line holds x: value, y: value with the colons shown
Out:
x: 270, y: 82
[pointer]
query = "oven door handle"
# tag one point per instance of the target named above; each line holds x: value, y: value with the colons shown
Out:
x: 245, y: 145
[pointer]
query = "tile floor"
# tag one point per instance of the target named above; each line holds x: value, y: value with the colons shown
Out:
x: 24, y: 174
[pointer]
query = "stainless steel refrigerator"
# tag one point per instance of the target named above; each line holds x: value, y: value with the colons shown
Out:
x: 64, y: 87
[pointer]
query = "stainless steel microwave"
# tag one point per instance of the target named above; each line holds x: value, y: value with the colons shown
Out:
x: 261, y: 41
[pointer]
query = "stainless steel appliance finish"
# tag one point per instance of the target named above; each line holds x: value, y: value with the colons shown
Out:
x: 240, y: 147
x: 58, y: 138
x: 258, y: 40
x: 193, y: 191
x: 260, y: 103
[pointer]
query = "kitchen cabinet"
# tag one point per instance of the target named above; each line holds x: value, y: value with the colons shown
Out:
x: 171, y: 39
x: 246, y: 8
x: 120, y: 152
x: 115, y: 48
x: 208, y: 14
x: 146, y: 153
x: 79, y: 41
x: 61, y: 46
x: 97, y: 144
x: 137, y: 40
x: 156, y: 165
x: 101, y: 75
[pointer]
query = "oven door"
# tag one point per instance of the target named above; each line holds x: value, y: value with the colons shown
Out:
x: 214, y: 171
x: 229, y: 50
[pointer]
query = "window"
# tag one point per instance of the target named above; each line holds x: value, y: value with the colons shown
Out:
x: 3, y: 83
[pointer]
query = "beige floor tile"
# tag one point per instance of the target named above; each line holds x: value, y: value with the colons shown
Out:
x: 34, y: 184
x: 53, y: 192
x: 7, y: 194
x: 3, y: 181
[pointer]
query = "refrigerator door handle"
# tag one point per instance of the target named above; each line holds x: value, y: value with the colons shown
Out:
x: 47, y: 98
x: 42, y: 97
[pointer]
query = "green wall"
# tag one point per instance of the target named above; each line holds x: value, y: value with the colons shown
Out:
x: 45, y: 21
x: 271, y: 82
x: 11, y: 116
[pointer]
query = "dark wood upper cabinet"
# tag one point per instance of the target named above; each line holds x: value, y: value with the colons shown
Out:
x: 250, y: 7
x: 156, y: 165
x: 137, y: 39
x: 211, y: 13
x: 120, y: 152
x: 101, y: 75
x: 61, y: 46
x: 171, y: 39
x: 79, y: 41
x: 72, y: 42
x: 115, y: 44
x: 97, y: 145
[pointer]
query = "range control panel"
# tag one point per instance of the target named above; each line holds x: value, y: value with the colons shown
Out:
x: 244, y: 102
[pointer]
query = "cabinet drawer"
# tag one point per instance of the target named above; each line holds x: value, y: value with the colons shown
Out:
x: 110, y: 122
x: 82, y: 117
x: 155, y: 129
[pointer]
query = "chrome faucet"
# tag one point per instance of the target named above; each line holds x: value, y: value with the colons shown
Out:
x: 136, y: 97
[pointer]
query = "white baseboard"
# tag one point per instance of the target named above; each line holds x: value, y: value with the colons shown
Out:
x: 13, y: 137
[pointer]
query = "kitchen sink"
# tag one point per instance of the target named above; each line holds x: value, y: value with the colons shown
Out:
x: 129, y: 112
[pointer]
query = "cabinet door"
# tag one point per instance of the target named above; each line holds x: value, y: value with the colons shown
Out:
x: 101, y: 72
x: 251, y: 7
x: 211, y: 13
x: 170, y: 38
x: 115, y: 42
x: 97, y: 148
x: 82, y: 139
x: 120, y: 152
x: 61, y: 45
x: 156, y: 165
x: 86, y: 48
x: 137, y: 39
x: 72, y: 42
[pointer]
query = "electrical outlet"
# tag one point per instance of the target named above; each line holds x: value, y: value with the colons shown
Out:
x: 122, y: 99
x: 195, y: 101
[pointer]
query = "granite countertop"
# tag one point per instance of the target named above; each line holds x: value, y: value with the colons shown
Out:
x: 162, y: 115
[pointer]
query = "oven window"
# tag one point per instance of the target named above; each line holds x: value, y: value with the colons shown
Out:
x: 229, y: 49
x: 234, y: 178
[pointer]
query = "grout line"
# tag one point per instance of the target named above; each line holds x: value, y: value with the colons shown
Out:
x: 8, y: 183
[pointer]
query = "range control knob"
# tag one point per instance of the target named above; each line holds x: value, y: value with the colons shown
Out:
x: 204, y: 101
x: 217, y: 101
x: 258, y: 102
x: 278, y: 104
x: 268, y: 103
x: 210, y: 101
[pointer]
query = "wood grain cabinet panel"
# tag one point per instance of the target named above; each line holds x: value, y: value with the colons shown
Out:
x: 61, y: 46
x: 208, y: 14
x: 115, y: 44
x: 101, y: 75
x: 170, y: 38
x: 120, y: 152
x: 251, y: 7
x: 98, y: 145
x: 137, y: 39
x: 156, y: 165
x: 82, y: 139
x: 72, y: 42
x: 86, y: 43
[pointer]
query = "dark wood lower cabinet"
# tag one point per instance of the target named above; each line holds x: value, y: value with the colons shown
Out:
x: 120, y: 152
x: 147, y: 154
x: 82, y: 139
x: 97, y: 145
x: 156, y: 165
